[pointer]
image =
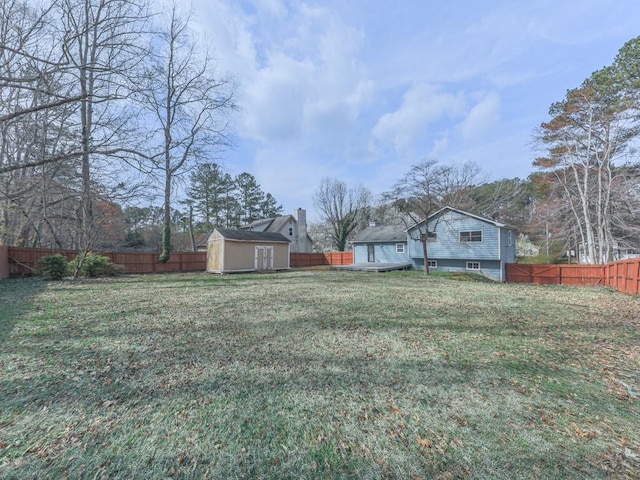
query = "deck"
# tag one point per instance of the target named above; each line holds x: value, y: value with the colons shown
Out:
x: 373, y: 267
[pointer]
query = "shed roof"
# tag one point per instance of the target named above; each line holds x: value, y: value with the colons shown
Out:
x: 383, y: 233
x: 250, y: 236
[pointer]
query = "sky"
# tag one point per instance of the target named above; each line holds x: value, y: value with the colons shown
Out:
x: 361, y: 90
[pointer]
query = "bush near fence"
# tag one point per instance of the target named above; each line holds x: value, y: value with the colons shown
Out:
x: 20, y: 261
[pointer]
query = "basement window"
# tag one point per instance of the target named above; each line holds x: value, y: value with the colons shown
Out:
x: 473, y: 265
x: 432, y: 263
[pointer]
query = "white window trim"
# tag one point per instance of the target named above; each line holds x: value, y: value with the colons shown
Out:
x: 432, y: 263
x: 400, y: 248
x: 471, y: 265
x: 469, y: 232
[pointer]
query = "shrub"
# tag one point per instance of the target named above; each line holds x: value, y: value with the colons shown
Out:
x: 53, y: 266
x: 94, y: 265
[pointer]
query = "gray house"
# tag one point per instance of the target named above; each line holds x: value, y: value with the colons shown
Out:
x: 457, y: 241
x: 293, y: 227
x: 462, y: 241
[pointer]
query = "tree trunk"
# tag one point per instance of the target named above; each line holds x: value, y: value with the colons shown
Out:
x: 425, y: 251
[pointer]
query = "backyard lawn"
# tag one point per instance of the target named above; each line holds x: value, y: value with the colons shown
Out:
x: 316, y: 374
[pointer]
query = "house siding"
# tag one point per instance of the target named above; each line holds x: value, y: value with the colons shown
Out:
x: 496, y: 249
x: 448, y: 245
x: 488, y: 268
x: 384, y: 253
x: 508, y: 246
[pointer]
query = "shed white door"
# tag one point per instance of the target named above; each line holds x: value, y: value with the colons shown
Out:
x: 264, y: 258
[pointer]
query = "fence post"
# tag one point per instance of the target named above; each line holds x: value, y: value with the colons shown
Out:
x: 4, y: 261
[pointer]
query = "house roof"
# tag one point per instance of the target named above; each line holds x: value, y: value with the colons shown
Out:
x: 250, y: 236
x: 462, y: 212
x: 383, y: 233
x: 269, y: 224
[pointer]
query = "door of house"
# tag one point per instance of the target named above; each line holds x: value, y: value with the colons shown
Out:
x: 371, y: 253
x: 264, y: 258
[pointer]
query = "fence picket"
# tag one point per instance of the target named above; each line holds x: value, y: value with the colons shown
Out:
x: 622, y: 275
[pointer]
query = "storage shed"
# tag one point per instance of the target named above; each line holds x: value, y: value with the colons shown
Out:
x: 234, y: 251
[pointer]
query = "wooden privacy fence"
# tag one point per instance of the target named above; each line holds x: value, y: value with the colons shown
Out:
x: 22, y: 260
x: 555, y: 274
x: 297, y: 260
x: 623, y: 275
x: 18, y: 261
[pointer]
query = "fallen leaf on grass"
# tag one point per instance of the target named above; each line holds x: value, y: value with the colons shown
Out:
x: 424, y: 442
x: 579, y: 432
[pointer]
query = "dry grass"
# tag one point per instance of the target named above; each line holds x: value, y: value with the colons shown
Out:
x: 317, y: 374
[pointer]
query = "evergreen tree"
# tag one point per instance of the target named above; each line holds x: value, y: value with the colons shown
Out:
x: 269, y: 208
x: 250, y: 197
x: 209, y: 186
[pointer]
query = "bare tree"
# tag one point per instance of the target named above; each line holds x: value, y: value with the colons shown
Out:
x: 188, y: 103
x: 590, y: 130
x: 341, y: 208
x: 101, y: 42
x: 427, y: 187
x: 37, y: 187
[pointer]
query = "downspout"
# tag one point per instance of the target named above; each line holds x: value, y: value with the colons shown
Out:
x: 500, y: 254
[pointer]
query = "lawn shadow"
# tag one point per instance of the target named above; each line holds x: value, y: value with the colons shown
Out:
x: 24, y: 289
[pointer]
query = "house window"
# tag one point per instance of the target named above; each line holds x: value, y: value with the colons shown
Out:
x: 399, y: 247
x: 432, y: 263
x: 290, y: 231
x: 471, y: 236
x: 473, y: 265
x: 432, y: 237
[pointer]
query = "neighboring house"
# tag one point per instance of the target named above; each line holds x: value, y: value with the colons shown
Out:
x: 380, y: 244
x: 293, y: 227
x: 462, y: 241
x: 232, y: 251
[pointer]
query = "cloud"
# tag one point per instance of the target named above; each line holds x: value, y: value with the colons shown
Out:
x: 300, y: 76
x: 422, y: 105
x: 482, y: 116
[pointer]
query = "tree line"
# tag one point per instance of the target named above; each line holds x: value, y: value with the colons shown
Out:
x: 104, y: 103
x: 583, y: 197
